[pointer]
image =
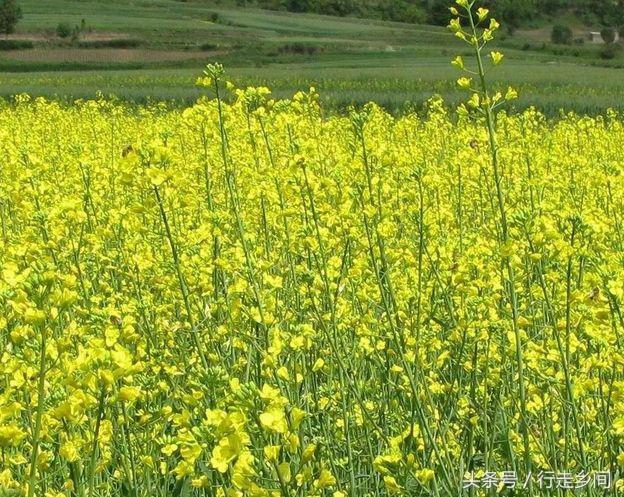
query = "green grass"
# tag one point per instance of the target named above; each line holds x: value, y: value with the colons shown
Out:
x: 354, y: 60
x: 549, y: 87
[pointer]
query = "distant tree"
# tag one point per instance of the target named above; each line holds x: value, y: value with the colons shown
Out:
x: 400, y: 11
x: 608, y: 12
x: 561, y: 34
x: 438, y: 12
x: 608, y: 35
x: 513, y: 13
x: 299, y: 5
x: 414, y: 14
x: 553, y: 6
x: 10, y: 14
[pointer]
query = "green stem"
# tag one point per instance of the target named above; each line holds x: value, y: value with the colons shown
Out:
x: 511, y: 284
x: 39, y: 414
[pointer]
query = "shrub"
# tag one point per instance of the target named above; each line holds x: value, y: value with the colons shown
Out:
x: 15, y: 44
x: 609, y: 52
x: 298, y: 48
x: 75, y: 36
x: 116, y: 43
x: 608, y: 35
x: 63, y: 30
x: 561, y: 34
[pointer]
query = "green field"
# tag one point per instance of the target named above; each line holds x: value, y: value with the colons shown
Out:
x: 350, y: 61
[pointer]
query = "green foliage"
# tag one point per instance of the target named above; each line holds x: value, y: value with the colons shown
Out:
x: 609, y: 52
x: 437, y: 12
x: 10, y: 14
x: 413, y: 11
x: 15, y: 44
x: 403, y: 11
x: 115, y: 43
x: 561, y: 34
x: 298, y: 48
x: 608, y: 35
x: 63, y: 30
x: 512, y: 13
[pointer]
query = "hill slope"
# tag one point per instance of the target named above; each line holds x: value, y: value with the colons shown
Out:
x: 156, y: 48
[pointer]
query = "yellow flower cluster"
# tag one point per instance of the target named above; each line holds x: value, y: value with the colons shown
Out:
x: 250, y: 298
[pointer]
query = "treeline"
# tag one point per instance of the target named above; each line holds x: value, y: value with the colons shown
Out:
x: 513, y: 13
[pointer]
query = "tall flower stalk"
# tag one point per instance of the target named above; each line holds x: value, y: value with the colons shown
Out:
x: 474, y: 26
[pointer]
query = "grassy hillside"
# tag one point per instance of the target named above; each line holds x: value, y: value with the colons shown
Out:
x: 155, y: 48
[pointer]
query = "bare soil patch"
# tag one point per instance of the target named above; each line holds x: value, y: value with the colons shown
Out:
x: 52, y: 36
x: 104, y: 55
